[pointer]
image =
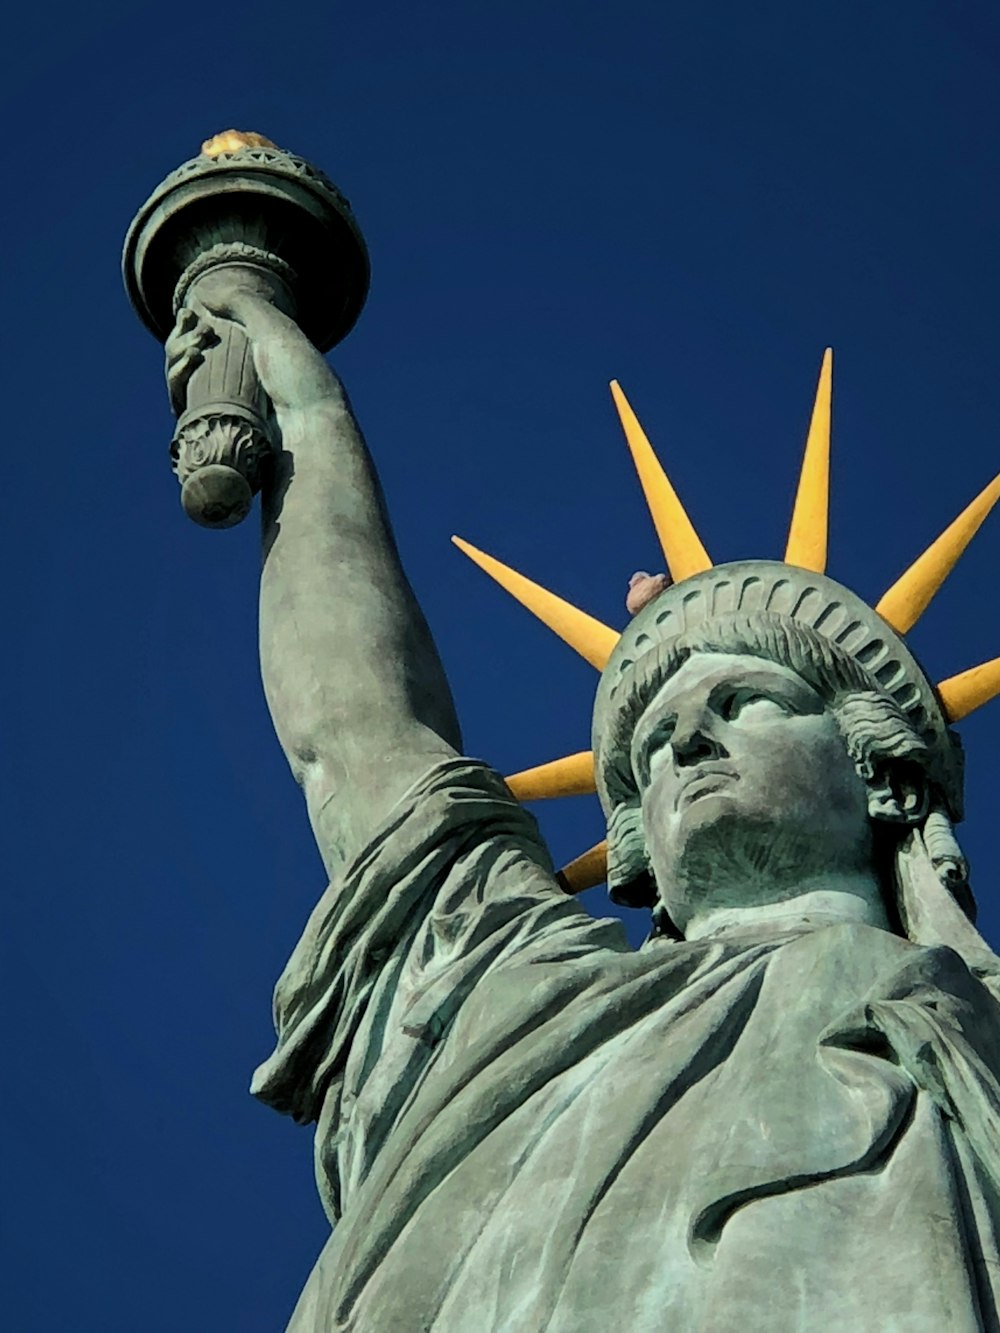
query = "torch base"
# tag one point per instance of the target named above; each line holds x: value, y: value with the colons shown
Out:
x: 216, y: 496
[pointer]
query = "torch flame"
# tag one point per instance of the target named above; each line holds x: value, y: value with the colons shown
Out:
x: 231, y: 141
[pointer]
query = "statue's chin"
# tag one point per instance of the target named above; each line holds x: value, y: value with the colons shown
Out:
x: 723, y: 855
x: 712, y: 815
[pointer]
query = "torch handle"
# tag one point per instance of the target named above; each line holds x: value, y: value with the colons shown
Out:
x: 222, y: 442
x: 227, y: 375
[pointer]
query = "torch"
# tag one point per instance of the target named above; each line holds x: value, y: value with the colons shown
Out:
x: 242, y: 204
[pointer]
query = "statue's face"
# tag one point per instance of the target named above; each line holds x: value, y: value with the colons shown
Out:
x: 748, y: 791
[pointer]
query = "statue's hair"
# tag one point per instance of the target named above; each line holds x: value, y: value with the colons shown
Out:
x: 880, y: 739
x: 832, y: 673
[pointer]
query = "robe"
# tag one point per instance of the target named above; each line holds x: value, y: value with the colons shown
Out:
x: 523, y: 1124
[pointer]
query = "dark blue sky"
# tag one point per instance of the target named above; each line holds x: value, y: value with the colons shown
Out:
x: 693, y: 198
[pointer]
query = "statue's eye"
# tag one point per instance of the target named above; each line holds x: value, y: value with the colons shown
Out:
x: 653, y: 744
x: 739, y: 701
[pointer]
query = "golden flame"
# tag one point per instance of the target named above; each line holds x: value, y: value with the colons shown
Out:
x: 231, y: 141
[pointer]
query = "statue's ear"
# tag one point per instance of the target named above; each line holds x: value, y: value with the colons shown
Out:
x: 630, y: 880
x: 898, y: 793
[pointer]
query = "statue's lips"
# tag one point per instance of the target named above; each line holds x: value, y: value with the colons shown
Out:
x: 703, y: 782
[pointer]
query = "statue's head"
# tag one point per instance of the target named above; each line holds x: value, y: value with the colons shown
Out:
x: 758, y: 726
x: 742, y: 752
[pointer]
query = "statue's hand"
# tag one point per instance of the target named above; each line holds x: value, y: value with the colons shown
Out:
x: 291, y: 371
x: 240, y: 294
x: 185, y: 352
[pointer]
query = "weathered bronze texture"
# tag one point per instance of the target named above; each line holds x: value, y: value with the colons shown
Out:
x: 782, y: 1112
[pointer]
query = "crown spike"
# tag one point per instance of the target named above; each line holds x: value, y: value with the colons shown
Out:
x: 807, y: 534
x: 586, y: 871
x: 964, y: 693
x: 570, y: 776
x: 685, y: 555
x: 908, y: 598
x: 589, y: 637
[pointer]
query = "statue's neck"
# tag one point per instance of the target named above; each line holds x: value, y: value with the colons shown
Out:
x: 829, y: 901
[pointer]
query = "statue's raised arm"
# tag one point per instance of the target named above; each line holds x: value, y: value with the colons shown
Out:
x: 357, y: 693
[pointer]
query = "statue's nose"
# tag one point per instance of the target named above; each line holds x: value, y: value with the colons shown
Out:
x: 694, y: 744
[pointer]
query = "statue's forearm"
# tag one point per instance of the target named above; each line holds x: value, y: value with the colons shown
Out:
x: 355, y: 686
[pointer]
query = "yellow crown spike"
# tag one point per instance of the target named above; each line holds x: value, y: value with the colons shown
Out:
x: 591, y: 639
x: 585, y: 871
x: 571, y: 776
x: 682, y: 546
x: 908, y: 598
x: 807, y: 535
x: 964, y: 693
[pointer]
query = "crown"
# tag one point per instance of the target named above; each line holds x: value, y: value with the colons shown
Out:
x: 795, y: 587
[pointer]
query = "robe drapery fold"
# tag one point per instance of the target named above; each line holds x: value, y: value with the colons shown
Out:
x: 524, y: 1125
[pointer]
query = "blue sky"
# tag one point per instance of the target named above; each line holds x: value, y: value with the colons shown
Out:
x: 693, y: 198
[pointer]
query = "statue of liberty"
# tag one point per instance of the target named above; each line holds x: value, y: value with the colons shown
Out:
x: 783, y: 1111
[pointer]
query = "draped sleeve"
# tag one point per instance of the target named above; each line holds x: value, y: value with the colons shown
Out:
x: 455, y: 888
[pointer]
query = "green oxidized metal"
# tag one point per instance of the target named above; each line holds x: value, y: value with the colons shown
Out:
x: 279, y: 209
